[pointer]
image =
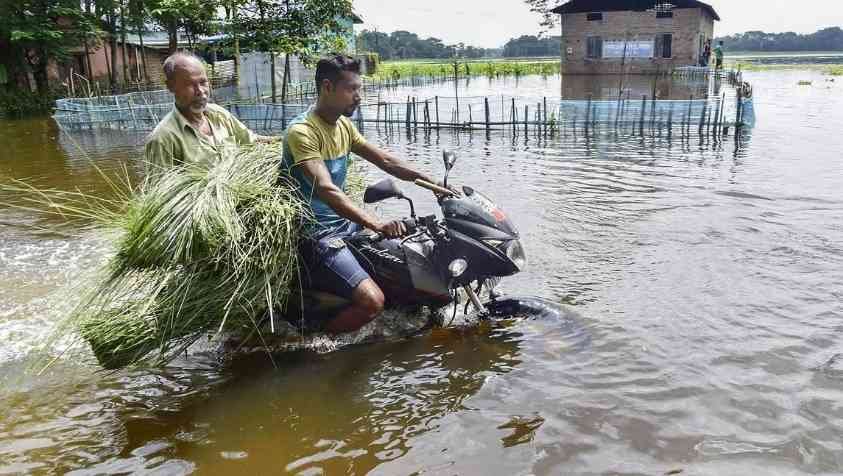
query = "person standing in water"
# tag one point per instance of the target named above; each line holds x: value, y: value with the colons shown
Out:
x: 718, y: 55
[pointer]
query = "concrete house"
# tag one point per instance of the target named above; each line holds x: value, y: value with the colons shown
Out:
x: 633, y: 36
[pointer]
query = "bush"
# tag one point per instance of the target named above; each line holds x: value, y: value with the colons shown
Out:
x: 17, y: 103
x: 373, y: 61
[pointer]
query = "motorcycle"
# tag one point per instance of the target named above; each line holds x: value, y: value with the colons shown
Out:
x: 469, y: 249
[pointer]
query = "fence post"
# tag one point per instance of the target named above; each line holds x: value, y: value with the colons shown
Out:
x: 688, y: 118
x: 643, y: 110
x: 415, y: 115
x: 526, y: 116
x: 544, y: 128
x: 486, y: 103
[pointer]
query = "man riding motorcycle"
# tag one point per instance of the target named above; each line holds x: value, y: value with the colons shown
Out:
x: 316, y: 153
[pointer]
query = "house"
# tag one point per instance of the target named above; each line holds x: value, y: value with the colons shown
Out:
x: 633, y: 36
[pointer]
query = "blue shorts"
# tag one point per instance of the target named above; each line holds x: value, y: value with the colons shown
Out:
x: 328, y: 263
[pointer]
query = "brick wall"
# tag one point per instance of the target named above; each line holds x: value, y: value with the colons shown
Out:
x: 687, y: 26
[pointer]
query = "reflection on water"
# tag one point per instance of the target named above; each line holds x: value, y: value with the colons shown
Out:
x: 708, y: 275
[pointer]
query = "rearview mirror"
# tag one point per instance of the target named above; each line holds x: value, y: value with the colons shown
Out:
x: 450, y: 159
x: 382, y: 190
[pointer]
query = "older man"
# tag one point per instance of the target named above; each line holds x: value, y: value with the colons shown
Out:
x: 195, y: 131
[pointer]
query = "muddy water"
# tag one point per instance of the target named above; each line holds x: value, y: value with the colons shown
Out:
x: 708, y: 278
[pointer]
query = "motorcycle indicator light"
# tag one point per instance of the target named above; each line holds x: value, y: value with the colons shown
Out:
x: 457, y: 267
x: 515, y: 252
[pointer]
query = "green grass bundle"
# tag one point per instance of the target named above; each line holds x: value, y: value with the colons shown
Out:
x: 197, y: 249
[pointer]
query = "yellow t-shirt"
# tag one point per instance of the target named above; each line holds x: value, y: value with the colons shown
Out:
x: 311, y: 138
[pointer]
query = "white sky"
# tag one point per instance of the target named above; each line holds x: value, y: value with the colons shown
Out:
x: 490, y: 23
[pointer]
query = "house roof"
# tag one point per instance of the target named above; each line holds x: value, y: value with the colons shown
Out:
x: 588, y: 6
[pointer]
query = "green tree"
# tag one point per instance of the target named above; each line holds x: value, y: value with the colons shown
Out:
x: 35, y: 32
x: 195, y: 17
x: 827, y: 39
x: 304, y: 28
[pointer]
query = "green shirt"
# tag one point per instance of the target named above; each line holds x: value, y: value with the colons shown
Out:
x: 718, y: 52
x: 175, y: 141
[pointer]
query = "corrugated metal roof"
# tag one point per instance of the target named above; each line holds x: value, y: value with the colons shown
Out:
x: 587, y: 6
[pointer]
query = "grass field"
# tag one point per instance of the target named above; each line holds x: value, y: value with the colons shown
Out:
x: 834, y: 70
x: 483, y: 67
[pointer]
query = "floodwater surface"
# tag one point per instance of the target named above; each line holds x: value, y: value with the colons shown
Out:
x: 707, y: 277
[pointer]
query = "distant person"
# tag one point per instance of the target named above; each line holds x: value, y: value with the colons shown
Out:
x: 718, y: 55
x: 706, y: 57
x: 195, y: 131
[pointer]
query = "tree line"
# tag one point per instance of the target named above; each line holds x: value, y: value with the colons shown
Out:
x: 406, y: 45
x: 827, y: 39
x: 34, y: 33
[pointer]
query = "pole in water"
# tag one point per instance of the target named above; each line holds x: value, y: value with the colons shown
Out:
x: 526, y: 115
x: 643, y: 111
x: 486, y: 103
x: 544, y: 116
x: 436, y: 109
x: 688, y: 117
x: 415, y: 115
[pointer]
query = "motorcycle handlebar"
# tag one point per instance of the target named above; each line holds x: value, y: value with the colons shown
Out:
x: 410, y: 224
x: 434, y: 188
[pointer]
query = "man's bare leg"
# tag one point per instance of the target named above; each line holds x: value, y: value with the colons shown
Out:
x: 366, y: 303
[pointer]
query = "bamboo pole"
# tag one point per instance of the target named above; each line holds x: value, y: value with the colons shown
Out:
x: 526, y: 115
x: 643, y: 110
x: 486, y: 104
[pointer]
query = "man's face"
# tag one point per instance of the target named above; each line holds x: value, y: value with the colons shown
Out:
x: 344, y: 94
x: 190, y: 87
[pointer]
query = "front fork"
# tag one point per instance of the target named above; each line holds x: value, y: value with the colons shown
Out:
x: 475, y: 301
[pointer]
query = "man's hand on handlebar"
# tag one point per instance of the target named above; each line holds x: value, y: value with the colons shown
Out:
x: 392, y: 229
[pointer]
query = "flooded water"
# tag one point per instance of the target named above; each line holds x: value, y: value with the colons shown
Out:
x: 708, y: 278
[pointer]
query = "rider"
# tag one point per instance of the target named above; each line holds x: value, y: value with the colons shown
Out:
x: 317, y: 154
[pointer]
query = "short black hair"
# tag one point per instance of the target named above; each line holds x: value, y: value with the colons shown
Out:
x: 331, y: 67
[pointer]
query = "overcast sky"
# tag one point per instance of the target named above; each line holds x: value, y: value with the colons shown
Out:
x: 490, y: 23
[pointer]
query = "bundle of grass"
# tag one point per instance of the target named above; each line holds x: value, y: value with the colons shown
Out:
x: 197, y: 249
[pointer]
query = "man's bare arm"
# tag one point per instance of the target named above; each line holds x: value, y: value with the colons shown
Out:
x: 329, y: 193
x: 389, y: 163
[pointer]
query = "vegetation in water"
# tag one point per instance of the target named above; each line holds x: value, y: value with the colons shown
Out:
x: 835, y: 70
x: 17, y: 103
x: 445, y: 69
x: 199, y: 249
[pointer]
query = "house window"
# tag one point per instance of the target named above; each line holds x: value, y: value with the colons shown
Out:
x: 664, y: 10
x: 664, y: 45
x: 594, y: 17
x: 595, y: 47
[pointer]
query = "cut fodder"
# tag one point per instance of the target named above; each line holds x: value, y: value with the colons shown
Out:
x: 197, y: 248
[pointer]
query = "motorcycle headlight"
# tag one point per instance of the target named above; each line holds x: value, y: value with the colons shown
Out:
x: 457, y: 267
x: 515, y: 252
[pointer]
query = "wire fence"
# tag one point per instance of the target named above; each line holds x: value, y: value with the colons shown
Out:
x: 718, y: 112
